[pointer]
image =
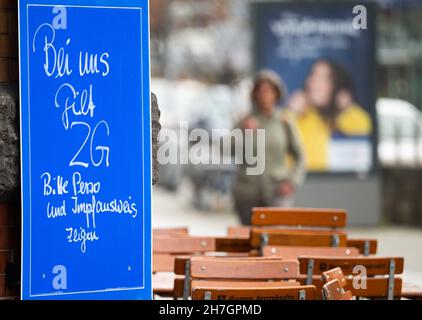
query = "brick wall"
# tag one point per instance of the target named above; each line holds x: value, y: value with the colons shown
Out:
x: 9, y: 152
x: 9, y: 70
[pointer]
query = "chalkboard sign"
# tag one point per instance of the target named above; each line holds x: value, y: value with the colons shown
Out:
x: 85, y: 149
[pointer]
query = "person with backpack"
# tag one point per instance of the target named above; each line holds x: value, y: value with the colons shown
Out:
x: 283, y: 156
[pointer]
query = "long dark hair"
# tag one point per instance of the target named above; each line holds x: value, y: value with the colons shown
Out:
x: 341, y: 80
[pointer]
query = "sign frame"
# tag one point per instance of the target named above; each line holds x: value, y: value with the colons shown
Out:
x: 112, y: 292
x: 262, y: 9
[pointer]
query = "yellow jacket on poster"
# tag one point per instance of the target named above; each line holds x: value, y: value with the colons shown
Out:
x: 354, y: 121
x: 316, y: 133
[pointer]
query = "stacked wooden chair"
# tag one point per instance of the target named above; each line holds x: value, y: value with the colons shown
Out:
x: 253, y: 293
x: 255, y: 278
x: 334, y: 285
x: 171, y: 244
x: 368, y: 277
x: 286, y: 254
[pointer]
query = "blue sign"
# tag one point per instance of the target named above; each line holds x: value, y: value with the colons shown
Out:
x: 85, y: 149
x: 325, y: 53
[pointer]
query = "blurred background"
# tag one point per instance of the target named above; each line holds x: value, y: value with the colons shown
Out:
x: 204, y: 57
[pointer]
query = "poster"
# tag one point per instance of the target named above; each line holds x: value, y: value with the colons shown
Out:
x: 325, y: 53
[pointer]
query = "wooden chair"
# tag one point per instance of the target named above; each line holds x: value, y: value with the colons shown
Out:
x: 261, y: 237
x: 366, y: 247
x: 408, y: 291
x: 334, y: 287
x: 298, y: 227
x: 298, y: 217
x: 293, y: 253
x: 239, y: 232
x: 183, y: 244
x: 381, y: 280
x: 182, y: 231
x: 233, y: 271
x: 333, y: 291
x: 253, y: 293
x: 167, y: 248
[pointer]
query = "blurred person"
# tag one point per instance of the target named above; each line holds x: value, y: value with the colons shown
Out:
x: 326, y: 108
x: 284, y: 161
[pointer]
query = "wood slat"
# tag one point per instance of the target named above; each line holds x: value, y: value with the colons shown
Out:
x: 298, y: 239
x: 411, y: 291
x: 236, y: 283
x: 163, y: 283
x: 183, y: 244
x: 163, y: 262
x: 180, y: 260
x: 243, y: 268
x: 9, y: 238
x: 4, y: 21
x: 335, y: 274
x: 239, y: 232
x: 182, y: 231
x: 5, y: 257
x: 333, y: 291
x: 254, y: 293
x: 360, y: 245
x: 376, y: 287
x: 373, y: 265
x: 8, y: 46
x: 334, y: 218
x: 290, y: 253
x: 179, y: 283
x: 230, y: 244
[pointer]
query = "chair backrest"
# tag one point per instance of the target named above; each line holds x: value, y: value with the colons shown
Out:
x: 9, y: 215
x: 254, y: 293
x: 335, y: 284
x: 163, y: 262
x: 190, y: 244
x: 232, y: 244
x: 365, y: 246
x: 261, y: 237
x: 286, y: 252
x: 236, y: 283
x: 373, y: 265
x: 179, y: 284
x: 335, y: 274
x: 378, y: 273
x: 243, y: 268
x: 333, y: 291
x: 182, y: 245
x: 182, y: 231
x: 239, y: 232
x: 232, y: 269
x: 325, y: 218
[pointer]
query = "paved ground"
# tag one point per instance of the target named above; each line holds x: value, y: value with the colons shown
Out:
x: 174, y: 209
